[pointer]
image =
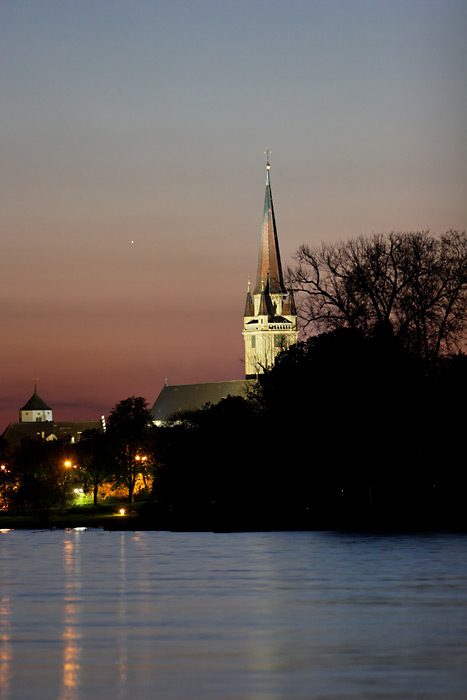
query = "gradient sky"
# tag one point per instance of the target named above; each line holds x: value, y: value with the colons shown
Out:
x: 147, y: 121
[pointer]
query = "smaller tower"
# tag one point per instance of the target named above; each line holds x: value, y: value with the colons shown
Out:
x: 270, y: 318
x: 35, y: 410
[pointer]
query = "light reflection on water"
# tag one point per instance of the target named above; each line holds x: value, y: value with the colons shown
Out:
x: 243, y: 616
x: 5, y: 646
x: 71, y: 632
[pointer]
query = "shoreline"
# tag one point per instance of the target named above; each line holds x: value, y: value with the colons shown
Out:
x: 189, y: 521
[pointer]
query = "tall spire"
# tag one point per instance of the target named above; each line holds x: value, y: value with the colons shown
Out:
x: 269, y: 260
x: 269, y: 321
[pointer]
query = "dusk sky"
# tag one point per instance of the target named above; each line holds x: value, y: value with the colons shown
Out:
x: 147, y: 121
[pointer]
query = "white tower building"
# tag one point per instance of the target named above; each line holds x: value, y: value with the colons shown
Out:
x: 270, y: 318
x: 35, y: 410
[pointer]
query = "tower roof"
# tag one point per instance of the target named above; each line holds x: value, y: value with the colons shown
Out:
x: 266, y: 307
x: 288, y: 307
x: 249, y: 305
x: 269, y: 260
x: 35, y: 403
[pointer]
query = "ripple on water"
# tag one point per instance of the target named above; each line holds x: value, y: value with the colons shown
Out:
x: 87, y: 614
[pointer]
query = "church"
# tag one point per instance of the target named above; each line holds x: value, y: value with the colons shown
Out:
x: 36, y: 421
x: 270, y: 319
x: 269, y: 326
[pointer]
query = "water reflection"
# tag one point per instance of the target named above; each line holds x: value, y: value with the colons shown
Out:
x: 5, y: 646
x: 71, y: 634
x: 250, y: 616
x: 122, y: 628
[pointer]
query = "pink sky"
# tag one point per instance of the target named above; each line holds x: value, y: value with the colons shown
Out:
x: 149, y: 125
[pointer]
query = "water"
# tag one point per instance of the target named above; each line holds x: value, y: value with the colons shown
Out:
x: 256, y: 616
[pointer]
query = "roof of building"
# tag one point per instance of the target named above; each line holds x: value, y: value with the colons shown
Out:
x: 15, y: 432
x: 249, y: 305
x: 269, y: 261
x: 191, y: 397
x: 289, y: 308
x: 271, y: 320
x: 35, y: 403
x: 266, y: 307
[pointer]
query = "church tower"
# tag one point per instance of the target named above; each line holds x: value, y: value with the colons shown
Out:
x: 270, y: 319
x: 35, y: 410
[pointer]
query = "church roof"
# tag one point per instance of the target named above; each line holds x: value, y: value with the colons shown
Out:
x: 35, y: 403
x: 191, y: 397
x: 271, y: 320
x: 269, y: 259
x: 265, y: 305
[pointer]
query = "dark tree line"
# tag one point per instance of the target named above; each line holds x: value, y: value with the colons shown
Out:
x: 209, y: 464
x: 41, y: 474
x: 364, y: 416
x: 344, y: 428
x: 34, y: 475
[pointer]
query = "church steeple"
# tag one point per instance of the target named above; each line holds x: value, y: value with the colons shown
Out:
x: 270, y: 321
x: 35, y: 410
x: 269, y: 259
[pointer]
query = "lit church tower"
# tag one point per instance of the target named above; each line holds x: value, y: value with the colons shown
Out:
x: 270, y: 319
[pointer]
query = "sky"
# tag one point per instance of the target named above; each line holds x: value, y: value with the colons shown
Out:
x: 132, y: 174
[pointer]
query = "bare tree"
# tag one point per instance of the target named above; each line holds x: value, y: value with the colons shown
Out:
x: 413, y: 285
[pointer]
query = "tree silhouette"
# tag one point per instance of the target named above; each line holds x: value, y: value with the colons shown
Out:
x: 39, y: 476
x: 128, y: 435
x: 94, y: 460
x: 347, y: 415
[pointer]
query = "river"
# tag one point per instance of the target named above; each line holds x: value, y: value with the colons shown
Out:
x: 91, y: 614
